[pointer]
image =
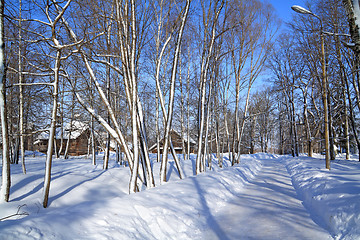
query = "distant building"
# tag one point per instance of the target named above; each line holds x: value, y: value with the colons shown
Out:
x: 76, y: 132
x: 177, y: 143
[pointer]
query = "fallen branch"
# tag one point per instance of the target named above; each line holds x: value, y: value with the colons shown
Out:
x: 18, y: 213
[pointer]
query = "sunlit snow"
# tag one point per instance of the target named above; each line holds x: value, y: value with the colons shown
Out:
x: 264, y: 197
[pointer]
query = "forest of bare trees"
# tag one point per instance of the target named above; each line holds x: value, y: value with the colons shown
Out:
x: 301, y: 67
x: 134, y: 70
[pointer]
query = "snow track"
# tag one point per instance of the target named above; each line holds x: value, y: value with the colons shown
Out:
x: 267, y: 208
x: 331, y: 196
x: 253, y: 200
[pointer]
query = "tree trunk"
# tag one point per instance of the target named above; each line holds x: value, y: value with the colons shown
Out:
x: 352, y: 9
x: 55, y: 147
x: 16, y: 150
x: 281, y: 148
x: 352, y: 117
x: 182, y: 113
x: 66, y: 153
x: 116, y: 132
x: 237, y: 160
x: 158, y: 154
x: 134, y: 96
x: 50, y: 149
x: 163, y: 167
x: 343, y: 92
x: 205, y: 61
x: 144, y: 147
x: 252, y: 135
x: 108, y: 72
x: 331, y: 130
x: 21, y: 98
x: 188, y: 106
x: 6, y: 180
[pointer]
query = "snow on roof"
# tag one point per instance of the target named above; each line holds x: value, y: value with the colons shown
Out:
x: 185, y: 139
x: 74, y: 129
x: 185, y: 136
x: 43, y: 135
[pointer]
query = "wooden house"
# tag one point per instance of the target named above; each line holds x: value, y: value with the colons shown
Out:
x: 177, y: 143
x: 78, y: 135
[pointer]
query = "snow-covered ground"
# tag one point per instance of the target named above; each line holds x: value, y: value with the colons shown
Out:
x: 332, y: 197
x: 253, y: 200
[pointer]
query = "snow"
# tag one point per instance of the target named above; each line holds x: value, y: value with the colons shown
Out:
x: 331, y: 196
x: 74, y: 129
x: 268, y: 208
x: 264, y: 197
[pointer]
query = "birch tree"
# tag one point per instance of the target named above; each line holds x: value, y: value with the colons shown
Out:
x: 352, y: 9
x: 251, y: 41
x: 211, y: 14
x: 164, y: 160
x: 21, y: 96
x: 55, y: 84
x: 169, y: 27
x: 6, y: 180
x: 129, y: 52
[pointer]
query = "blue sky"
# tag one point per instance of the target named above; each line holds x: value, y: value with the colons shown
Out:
x: 284, y: 12
x: 283, y: 7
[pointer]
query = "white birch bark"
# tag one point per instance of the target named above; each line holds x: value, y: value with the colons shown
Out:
x: 61, y: 125
x: 50, y: 149
x: 157, y: 128
x: 106, y: 126
x: 108, y: 73
x: 160, y: 19
x: 353, y: 13
x: 208, y: 117
x: 159, y: 94
x: 203, y: 79
x: 188, y: 105
x: 129, y: 50
x: 182, y: 119
x: 68, y: 140
x: 92, y: 136
x: 162, y: 102
x: 134, y: 173
x: 145, y: 152
x: 6, y: 180
x: 116, y: 133
x: 55, y: 84
x: 66, y: 152
x: 21, y: 98
x: 163, y: 167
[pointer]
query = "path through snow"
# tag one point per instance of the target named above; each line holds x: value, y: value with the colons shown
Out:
x: 267, y: 208
x: 252, y: 200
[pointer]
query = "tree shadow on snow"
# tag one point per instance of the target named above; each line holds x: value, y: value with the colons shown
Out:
x: 37, y: 188
x: 282, y: 205
x: 210, y: 220
x: 53, y: 198
x: 171, y: 168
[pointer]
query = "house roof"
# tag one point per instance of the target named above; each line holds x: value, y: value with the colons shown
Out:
x: 72, y: 130
x: 184, y: 138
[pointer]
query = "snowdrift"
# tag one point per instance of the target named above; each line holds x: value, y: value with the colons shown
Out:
x: 332, y: 197
x: 87, y: 202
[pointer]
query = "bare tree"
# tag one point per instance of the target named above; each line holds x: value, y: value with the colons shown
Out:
x: 6, y: 180
x: 249, y: 46
x: 353, y: 10
x: 211, y: 15
x: 172, y: 93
